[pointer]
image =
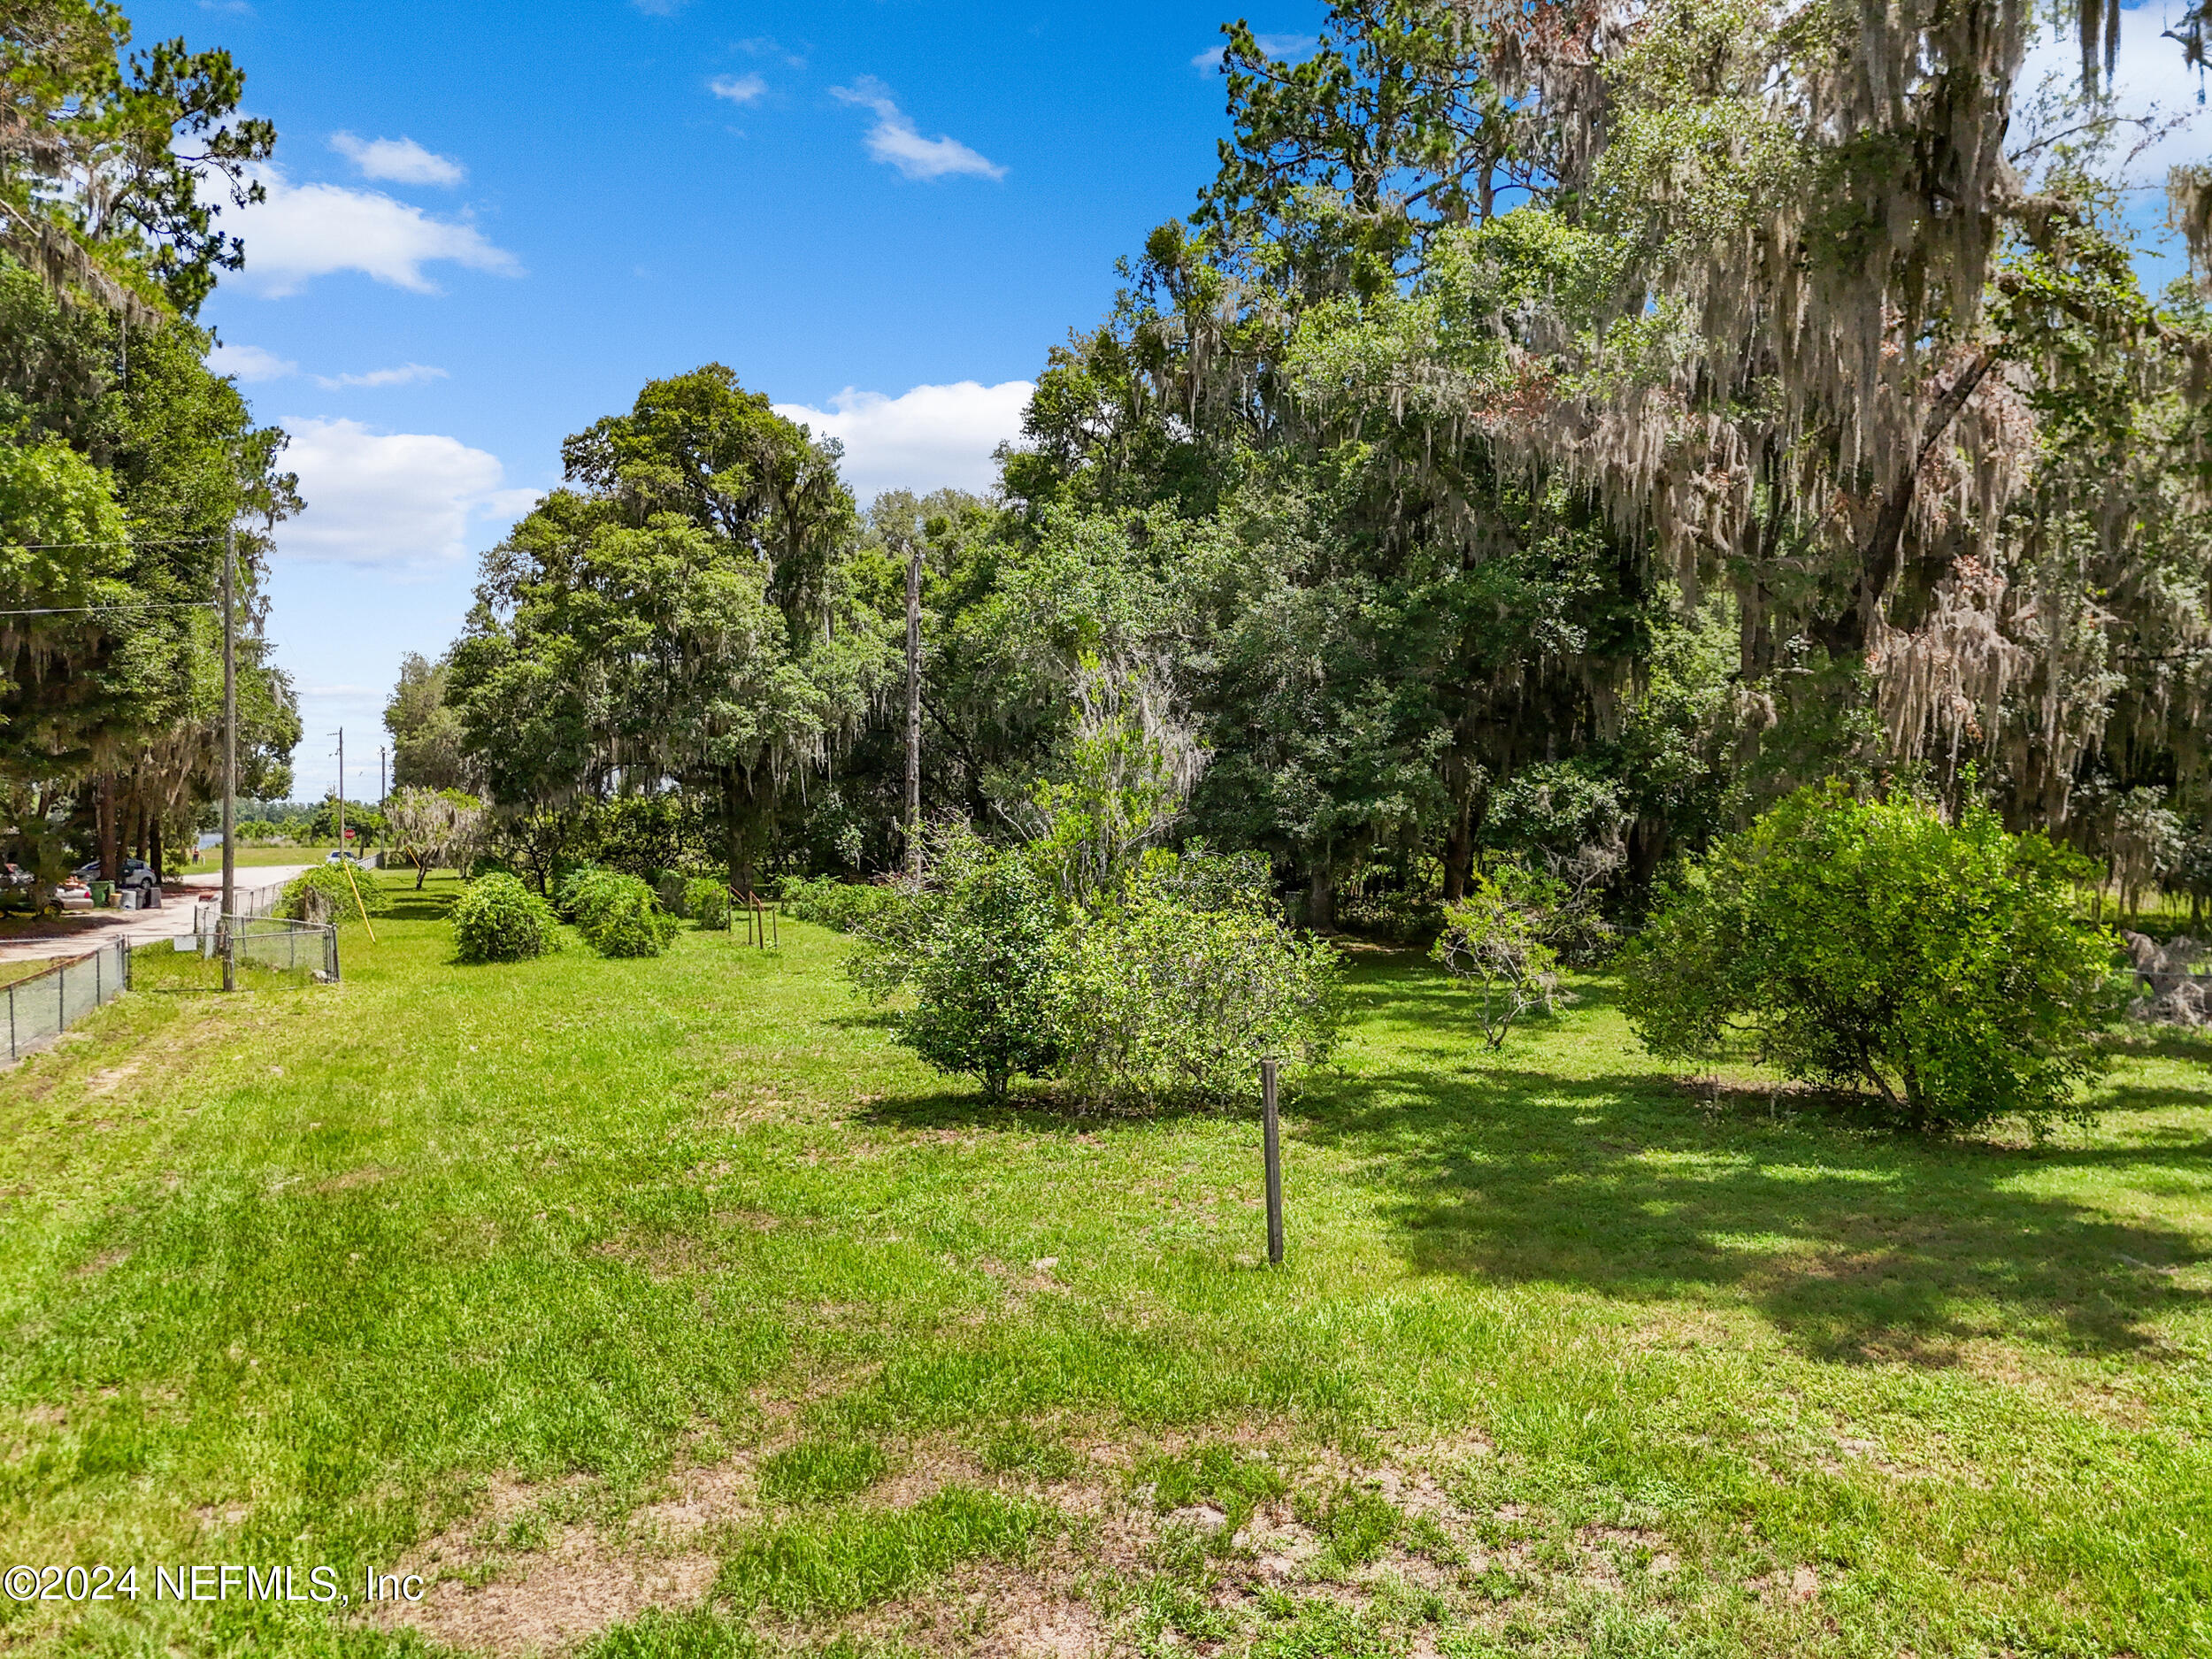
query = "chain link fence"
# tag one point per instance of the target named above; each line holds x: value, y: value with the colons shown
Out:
x: 265, y: 954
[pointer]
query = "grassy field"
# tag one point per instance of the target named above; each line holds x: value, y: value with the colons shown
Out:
x: 254, y: 859
x: 665, y: 1308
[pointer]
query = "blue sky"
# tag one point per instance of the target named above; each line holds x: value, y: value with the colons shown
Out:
x: 491, y: 223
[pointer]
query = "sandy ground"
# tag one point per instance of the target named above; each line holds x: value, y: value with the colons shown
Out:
x: 80, y: 931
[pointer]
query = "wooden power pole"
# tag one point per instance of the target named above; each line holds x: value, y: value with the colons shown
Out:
x: 914, y: 708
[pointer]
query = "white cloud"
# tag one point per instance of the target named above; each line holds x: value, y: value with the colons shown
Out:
x: 930, y: 437
x: 2149, y: 74
x: 894, y: 141
x: 391, y: 498
x: 402, y: 160
x: 250, y: 365
x: 406, y: 374
x: 767, y: 45
x: 304, y: 230
x: 737, y: 88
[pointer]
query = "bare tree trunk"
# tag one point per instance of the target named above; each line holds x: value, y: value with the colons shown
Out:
x: 1321, y: 896
x: 1459, y: 847
x: 106, y: 829
x: 737, y: 843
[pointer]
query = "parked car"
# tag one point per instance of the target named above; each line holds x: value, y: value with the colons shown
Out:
x: 138, y: 876
x: 334, y: 856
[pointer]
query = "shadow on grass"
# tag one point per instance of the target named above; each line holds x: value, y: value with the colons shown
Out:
x: 1856, y: 1243
x: 1854, y: 1247
x: 404, y: 904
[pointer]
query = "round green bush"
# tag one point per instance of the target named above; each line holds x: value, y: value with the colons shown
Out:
x: 619, y: 916
x: 707, y: 901
x: 498, y: 919
x: 1872, y: 945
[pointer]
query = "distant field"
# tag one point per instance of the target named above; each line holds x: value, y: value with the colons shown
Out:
x: 666, y: 1306
x: 251, y: 857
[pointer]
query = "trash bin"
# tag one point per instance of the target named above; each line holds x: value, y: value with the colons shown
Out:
x: 103, y: 894
x: 127, y: 898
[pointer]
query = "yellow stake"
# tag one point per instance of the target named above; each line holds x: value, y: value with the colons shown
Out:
x: 347, y: 866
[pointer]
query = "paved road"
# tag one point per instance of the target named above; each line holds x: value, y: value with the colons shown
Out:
x: 80, y: 931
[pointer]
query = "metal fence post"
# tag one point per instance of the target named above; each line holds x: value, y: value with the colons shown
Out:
x: 61, y: 995
x: 1271, y: 1136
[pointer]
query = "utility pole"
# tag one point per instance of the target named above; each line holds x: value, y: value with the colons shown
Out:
x: 341, y: 735
x: 382, y: 793
x: 230, y: 754
x: 914, y: 708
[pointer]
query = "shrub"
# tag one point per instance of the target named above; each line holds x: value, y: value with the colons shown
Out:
x: 707, y: 901
x: 324, y: 895
x: 498, y: 919
x: 978, y: 952
x: 1183, y: 977
x: 1498, y: 939
x: 619, y: 916
x: 849, y: 906
x: 1872, y: 945
x: 571, y: 885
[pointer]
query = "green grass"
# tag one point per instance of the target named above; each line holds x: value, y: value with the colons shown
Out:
x: 313, y: 1275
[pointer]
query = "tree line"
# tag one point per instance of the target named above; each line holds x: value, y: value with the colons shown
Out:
x: 1556, y: 431
x: 125, y: 461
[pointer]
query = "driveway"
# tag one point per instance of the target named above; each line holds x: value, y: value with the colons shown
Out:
x: 76, y: 932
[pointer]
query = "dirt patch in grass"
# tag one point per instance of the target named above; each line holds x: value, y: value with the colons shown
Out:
x: 369, y: 1175
x: 514, y: 1580
x: 112, y: 1078
x: 1188, y: 1542
x: 991, y: 1611
x: 554, y: 1598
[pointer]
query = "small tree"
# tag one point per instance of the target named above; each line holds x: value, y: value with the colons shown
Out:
x: 1497, y: 940
x: 1128, y: 769
x: 1870, y: 944
x: 976, y: 949
x: 436, y: 829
